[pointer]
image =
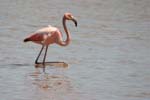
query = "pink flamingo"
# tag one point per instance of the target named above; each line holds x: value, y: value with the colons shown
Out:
x: 50, y: 35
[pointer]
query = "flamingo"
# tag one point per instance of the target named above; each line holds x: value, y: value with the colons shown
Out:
x: 50, y: 35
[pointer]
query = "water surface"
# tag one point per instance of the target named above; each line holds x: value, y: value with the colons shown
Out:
x: 108, y: 57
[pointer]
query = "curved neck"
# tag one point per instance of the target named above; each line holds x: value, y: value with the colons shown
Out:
x: 67, y: 41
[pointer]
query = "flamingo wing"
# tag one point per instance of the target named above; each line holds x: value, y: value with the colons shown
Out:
x: 42, y: 33
x: 46, y: 30
x: 36, y: 37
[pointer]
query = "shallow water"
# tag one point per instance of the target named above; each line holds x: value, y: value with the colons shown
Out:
x: 108, y: 57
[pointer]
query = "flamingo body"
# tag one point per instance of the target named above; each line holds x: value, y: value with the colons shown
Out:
x: 45, y: 36
x: 49, y: 35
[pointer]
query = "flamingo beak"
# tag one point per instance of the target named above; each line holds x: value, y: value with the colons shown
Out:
x: 75, y: 21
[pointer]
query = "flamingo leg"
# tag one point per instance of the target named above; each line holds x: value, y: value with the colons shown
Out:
x: 36, y: 61
x: 44, y: 59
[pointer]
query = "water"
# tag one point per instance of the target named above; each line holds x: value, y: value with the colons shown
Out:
x: 108, y: 57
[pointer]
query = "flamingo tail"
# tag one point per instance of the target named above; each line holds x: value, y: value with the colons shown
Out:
x: 26, y: 40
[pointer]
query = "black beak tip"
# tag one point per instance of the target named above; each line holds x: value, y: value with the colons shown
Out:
x: 76, y: 24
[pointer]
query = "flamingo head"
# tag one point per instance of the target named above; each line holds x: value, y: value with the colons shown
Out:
x: 69, y: 16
